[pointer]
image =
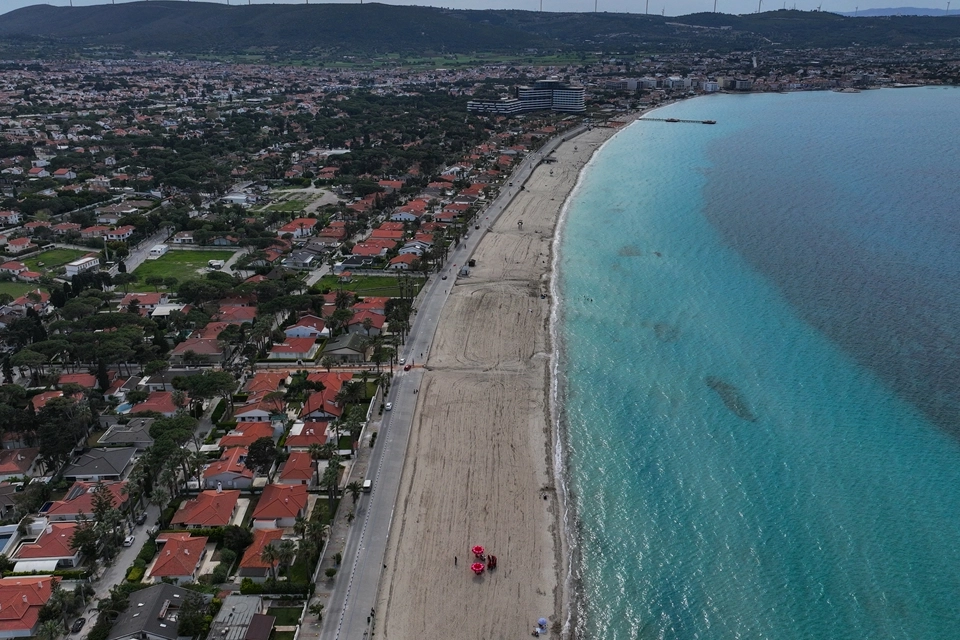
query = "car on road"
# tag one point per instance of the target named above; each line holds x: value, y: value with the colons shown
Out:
x: 128, y: 541
x: 443, y: 277
x: 77, y: 625
x: 142, y: 518
x: 407, y: 367
x: 388, y: 406
x: 403, y: 361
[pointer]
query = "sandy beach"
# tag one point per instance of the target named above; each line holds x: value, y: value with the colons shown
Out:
x: 479, y: 460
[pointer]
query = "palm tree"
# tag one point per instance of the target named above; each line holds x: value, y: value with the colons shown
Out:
x: 355, y: 488
x: 271, y: 555
x: 50, y: 630
x: 300, y: 527
x: 286, y: 552
x: 318, y: 452
x: 331, y: 479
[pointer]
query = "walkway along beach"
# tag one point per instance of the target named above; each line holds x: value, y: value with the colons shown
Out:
x: 479, y: 463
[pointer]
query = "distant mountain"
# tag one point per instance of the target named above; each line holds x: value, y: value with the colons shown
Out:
x: 164, y: 25
x: 899, y: 11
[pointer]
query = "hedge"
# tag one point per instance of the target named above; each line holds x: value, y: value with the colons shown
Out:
x: 218, y: 411
x: 135, y: 574
x: 66, y: 574
x: 273, y: 587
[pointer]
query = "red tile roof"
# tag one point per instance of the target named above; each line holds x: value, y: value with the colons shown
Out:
x: 281, y: 501
x: 230, y: 462
x: 261, y: 538
x: 246, y: 433
x: 209, y: 509
x: 299, y: 466
x: 54, y: 542
x: 79, y: 498
x: 179, y: 557
x: 21, y: 599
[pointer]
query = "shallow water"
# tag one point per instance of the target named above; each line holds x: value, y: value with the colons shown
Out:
x: 759, y: 332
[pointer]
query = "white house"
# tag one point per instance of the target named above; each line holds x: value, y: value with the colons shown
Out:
x: 89, y: 263
x: 308, y: 326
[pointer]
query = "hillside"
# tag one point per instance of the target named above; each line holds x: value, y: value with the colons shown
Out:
x: 378, y: 28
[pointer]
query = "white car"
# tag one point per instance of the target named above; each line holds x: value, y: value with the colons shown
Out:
x: 128, y: 541
x: 403, y: 361
x: 388, y: 406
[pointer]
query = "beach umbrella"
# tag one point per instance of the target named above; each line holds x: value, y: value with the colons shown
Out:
x: 477, y: 567
x: 542, y: 622
x: 477, y: 550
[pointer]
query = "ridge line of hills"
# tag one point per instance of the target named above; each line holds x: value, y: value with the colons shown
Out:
x: 198, y: 27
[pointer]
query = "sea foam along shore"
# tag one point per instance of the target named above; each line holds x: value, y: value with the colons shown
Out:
x: 479, y: 464
x: 568, y: 582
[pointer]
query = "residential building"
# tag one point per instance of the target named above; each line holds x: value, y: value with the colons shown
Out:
x: 152, y: 614
x: 308, y: 326
x: 295, y: 349
x: 135, y: 433
x: 178, y: 559
x: 235, y: 617
x: 89, y: 263
x: 51, y: 548
x: 346, y: 348
x: 298, y: 469
x: 79, y: 500
x: 208, y: 509
x: 251, y: 564
x: 246, y: 433
x: 16, y: 463
x: 158, y: 401
x: 21, y: 599
x: 99, y: 464
x: 229, y: 472
x: 280, y: 506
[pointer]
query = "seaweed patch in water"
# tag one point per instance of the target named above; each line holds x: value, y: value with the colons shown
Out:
x: 731, y: 397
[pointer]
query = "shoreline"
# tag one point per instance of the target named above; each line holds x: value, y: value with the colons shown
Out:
x: 485, y: 417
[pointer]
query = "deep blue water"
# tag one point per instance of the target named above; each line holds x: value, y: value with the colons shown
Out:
x: 759, y: 325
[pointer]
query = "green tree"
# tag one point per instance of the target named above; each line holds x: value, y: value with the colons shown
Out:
x: 261, y: 456
x: 354, y: 488
x: 190, y: 618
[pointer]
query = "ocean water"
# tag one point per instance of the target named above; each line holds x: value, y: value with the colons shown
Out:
x: 759, y: 334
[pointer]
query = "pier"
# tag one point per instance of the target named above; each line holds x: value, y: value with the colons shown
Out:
x: 676, y: 120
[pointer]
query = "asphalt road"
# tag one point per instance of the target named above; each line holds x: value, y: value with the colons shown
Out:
x: 348, y: 613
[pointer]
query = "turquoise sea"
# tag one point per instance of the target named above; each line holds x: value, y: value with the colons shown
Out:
x: 758, y: 325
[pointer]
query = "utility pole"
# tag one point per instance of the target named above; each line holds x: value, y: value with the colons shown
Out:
x: 647, y: 11
x: 760, y: 4
x: 714, y: 6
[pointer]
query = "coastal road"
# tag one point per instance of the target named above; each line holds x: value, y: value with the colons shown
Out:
x: 350, y: 610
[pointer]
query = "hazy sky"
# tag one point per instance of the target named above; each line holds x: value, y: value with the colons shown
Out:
x: 670, y: 7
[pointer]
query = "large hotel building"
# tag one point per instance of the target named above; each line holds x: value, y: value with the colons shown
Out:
x: 544, y: 94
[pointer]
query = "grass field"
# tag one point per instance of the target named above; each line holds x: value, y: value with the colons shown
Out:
x: 286, y: 616
x: 53, y: 258
x: 182, y: 265
x: 17, y: 289
x: 287, y: 205
x: 369, y: 285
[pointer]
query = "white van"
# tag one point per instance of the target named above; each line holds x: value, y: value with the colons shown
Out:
x: 367, y: 486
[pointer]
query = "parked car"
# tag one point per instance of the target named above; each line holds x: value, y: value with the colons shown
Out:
x: 388, y: 406
x: 77, y: 625
x: 141, y: 518
x: 128, y: 541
